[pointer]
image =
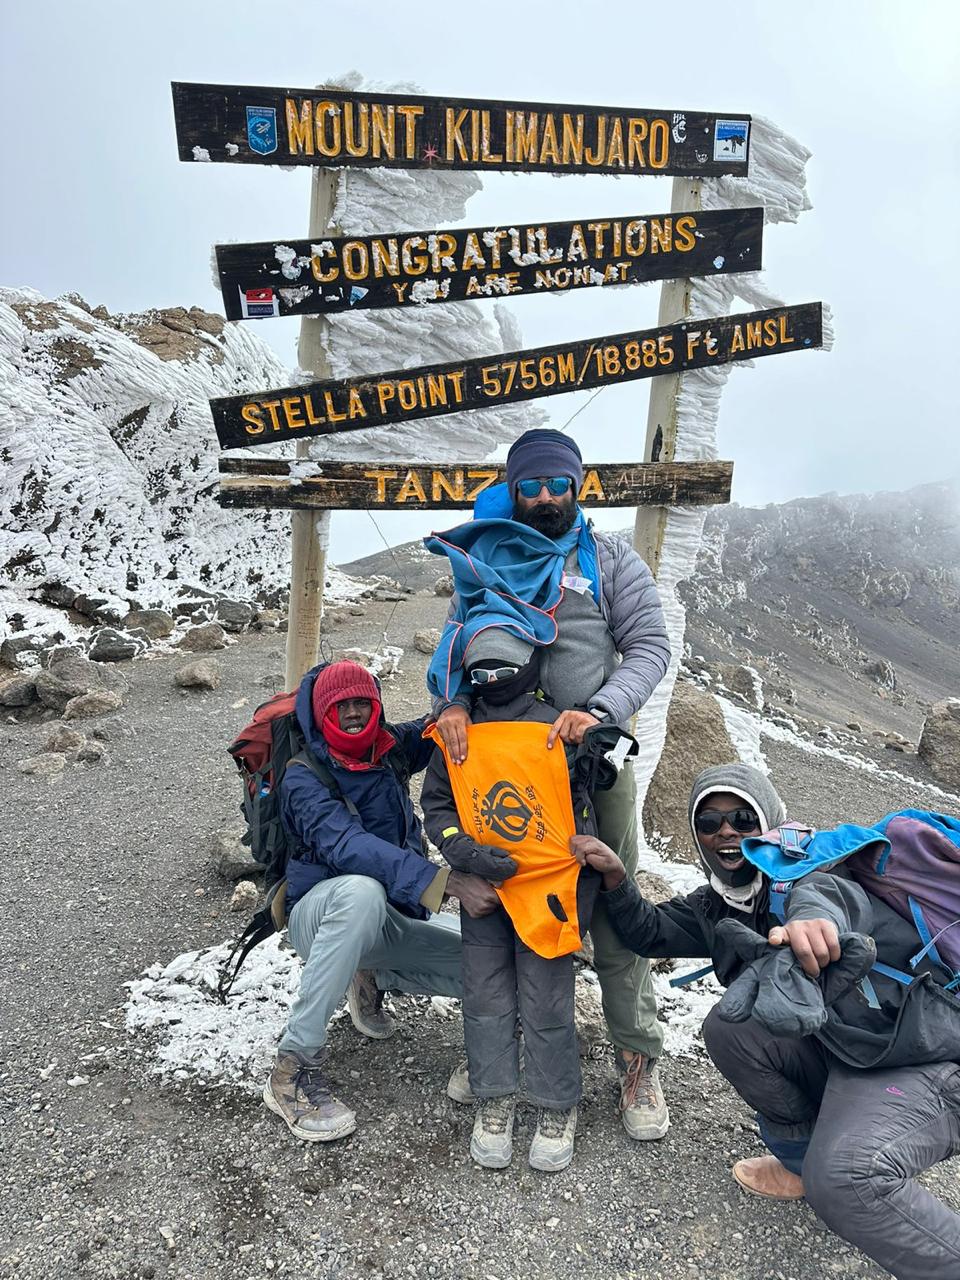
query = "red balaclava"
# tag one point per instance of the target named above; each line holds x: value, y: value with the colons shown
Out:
x: 336, y: 683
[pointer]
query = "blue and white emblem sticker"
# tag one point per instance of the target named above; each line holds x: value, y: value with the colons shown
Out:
x: 729, y: 140
x: 262, y: 129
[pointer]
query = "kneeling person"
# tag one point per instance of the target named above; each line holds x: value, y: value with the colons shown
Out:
x: 856, y: 1091
x: 359, y: 891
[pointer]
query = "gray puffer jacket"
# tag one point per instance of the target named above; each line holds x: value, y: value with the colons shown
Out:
x: 630, y: 605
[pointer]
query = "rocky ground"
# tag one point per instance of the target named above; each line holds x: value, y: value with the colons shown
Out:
x: 109, y: 1172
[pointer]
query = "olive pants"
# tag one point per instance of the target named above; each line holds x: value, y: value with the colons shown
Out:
x: 629, y: 1004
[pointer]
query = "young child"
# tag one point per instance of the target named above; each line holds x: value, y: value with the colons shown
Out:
x: 506, y: 814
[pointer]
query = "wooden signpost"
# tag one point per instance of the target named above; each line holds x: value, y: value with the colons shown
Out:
x: 247, y: 124
x: 352, y: 273
x: 352, y: 404
x: 327, y: 273
x: 435, y: 486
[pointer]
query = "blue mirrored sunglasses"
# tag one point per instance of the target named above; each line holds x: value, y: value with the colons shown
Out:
x: 554, y: 485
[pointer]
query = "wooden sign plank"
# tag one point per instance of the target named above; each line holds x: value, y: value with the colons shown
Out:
x: 351, y: 404
x: 246, y: 124
x: 300, y: 277
x: 426, y: 486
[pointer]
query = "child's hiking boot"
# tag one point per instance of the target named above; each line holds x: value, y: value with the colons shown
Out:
x: 643, y: 1107
x: 766, y: 1176
x: 365, y: 1002
x: 458, y: 1086
x: 552, y: 1147
x: 491, y: 1143
x: 298, y: 1092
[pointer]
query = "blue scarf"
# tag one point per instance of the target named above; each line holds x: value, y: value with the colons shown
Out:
x: 506, y: 575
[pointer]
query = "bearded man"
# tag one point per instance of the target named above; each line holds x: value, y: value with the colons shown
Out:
x: 531, y: 563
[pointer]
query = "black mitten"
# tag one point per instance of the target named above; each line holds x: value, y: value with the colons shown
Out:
x: 858, y: 955
x: 773, y: 988
x: 464, y: 854
x: 776, y: 991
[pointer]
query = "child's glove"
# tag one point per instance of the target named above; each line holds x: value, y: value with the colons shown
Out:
x: 774, y: 989
x: 464, y: 854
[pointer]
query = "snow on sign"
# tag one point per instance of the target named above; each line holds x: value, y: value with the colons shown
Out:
x: 254, y: 125
x: 249, y: 482
x: 350, y: 404
x: 417, y: 267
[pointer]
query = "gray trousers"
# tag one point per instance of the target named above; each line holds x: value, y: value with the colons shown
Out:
x: 861, y: 1136
x: 504, y: 980
x: 629, y: 1003
x: 346, y: 924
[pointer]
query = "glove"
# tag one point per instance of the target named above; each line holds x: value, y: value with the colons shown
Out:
x: 591, y: 767
x: 774, y: 989
x: 487, y: 861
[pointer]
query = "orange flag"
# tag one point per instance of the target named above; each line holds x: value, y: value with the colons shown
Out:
x: 513, y: 793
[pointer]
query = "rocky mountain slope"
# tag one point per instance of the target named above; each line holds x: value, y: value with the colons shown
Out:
x: 848, y: 607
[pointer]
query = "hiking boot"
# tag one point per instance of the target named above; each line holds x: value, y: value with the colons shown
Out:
x: 365, y: 1002
x: 552, y: 1147
x: 458, y: 1086
x: 765, y: 1176
x: 643, y: 1107
x: 491, y: 1143
x: 297, y: 1091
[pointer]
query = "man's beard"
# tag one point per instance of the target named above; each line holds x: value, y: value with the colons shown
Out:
x: 548, y: 518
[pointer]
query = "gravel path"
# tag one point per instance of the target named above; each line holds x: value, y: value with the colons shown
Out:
x: 106, y: 871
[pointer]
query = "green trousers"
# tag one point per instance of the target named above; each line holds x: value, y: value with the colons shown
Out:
x: 629, y: 1004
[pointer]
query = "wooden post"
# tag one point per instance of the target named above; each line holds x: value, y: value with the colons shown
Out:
x: 661, y: 441
x: 310, y: 530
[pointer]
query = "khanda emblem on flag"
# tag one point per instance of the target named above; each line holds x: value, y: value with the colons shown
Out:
x: 505, y: 812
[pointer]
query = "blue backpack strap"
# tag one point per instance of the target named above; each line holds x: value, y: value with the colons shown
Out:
x: 929, y: 941
x: 686, y: 978
x: 779, y: 892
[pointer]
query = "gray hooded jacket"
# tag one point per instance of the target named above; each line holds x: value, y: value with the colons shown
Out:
x: 630, y: 622
x: 914, y: 1025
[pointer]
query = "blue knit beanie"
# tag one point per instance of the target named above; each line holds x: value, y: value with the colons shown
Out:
x: 543, y: 453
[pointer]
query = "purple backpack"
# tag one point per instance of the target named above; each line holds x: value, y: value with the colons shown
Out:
x: 909, y: 859
x: 918, y: 875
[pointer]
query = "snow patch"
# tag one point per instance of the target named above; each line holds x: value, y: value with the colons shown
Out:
x: 744, y: 728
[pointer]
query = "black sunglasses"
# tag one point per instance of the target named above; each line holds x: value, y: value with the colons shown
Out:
x: 709, y: 821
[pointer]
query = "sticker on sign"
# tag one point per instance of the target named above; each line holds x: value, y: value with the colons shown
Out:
x: 257, y: 304
x: 262, y: 130
x: 730, y: 140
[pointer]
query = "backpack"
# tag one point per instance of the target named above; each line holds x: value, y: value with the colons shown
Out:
x: 909, y: 859
x: 262, y: 752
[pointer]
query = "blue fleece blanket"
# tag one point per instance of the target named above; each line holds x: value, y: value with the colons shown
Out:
x: 505, y: 575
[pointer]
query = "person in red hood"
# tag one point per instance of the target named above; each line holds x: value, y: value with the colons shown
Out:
x: 360, y: 893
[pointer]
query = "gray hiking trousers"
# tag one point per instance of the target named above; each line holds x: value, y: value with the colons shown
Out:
x: 629, y: 1002
x: 503, y: 980
x: 859, y: 1139
x: 346, y: 924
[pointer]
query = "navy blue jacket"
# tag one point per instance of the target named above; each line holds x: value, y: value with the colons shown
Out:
x: 383, y: 842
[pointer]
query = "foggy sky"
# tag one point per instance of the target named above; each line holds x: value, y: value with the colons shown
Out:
x: 95, y: 200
